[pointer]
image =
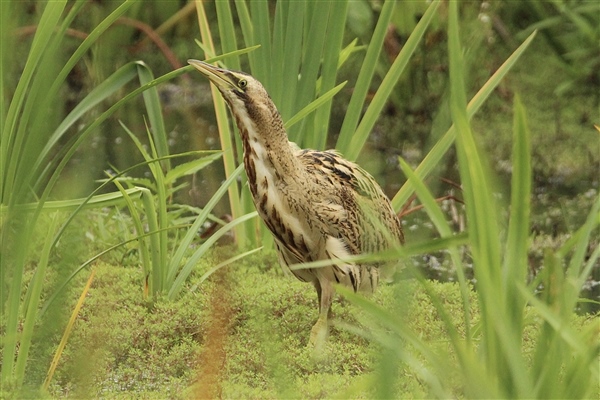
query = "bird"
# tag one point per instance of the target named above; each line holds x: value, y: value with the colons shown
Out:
x: 317, y: 205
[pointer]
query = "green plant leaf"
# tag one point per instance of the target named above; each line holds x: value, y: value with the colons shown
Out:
x: 359, y: 137
x: 190, y: 167
x: 362, y: 83
x: 201, y: 251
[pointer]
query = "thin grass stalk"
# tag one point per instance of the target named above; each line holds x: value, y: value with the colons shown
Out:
x: 67, y: 332
x: 261, y: 17
x: 224, y: 131
x: 147, y: 262
x: 158, y: 279
x: 292, y: 55
x: 248, y: 30
x: 275, y: 68
x: 311, y: 52
x: 154, y: 111
x: 227, y: 32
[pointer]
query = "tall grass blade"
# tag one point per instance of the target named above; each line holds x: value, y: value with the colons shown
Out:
x: 517, y: 242
x: 501, y: 342
x: 227, y: 32
x: 437, y: 217
x: 332, y: 53
x: 31, y: 315
x: 155, y: 117
x: 315, y: 27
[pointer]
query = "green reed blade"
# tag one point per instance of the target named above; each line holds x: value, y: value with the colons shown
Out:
x: 363, y: 82
x: 359, y: 137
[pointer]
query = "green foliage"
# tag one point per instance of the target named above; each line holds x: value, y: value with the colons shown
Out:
x: 489, y: 356
x: 35, y: 147
x: 572, y: 30
x: 498, y: 338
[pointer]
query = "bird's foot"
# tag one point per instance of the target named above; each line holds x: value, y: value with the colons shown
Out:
x: 318, y: 336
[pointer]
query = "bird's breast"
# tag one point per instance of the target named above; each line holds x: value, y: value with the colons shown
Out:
x: 277, y: 197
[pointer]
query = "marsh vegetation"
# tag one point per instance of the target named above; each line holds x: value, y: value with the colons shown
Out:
x: 133, y: 264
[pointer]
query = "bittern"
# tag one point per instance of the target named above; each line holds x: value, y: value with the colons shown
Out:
x: 317, y: 205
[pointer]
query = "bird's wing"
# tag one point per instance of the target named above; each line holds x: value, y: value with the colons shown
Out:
x: 354, y: 209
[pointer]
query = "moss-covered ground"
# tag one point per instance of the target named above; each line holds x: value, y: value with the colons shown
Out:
x: 241, y: 334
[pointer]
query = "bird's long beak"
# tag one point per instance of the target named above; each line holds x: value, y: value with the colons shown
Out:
x: 218, y: 76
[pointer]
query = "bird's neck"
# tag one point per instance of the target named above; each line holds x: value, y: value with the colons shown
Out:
x: 268, y: 157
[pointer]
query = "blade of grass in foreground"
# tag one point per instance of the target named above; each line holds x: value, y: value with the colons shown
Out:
x: 501, y: 348
x: 517, y: 242
x: 439, y: 220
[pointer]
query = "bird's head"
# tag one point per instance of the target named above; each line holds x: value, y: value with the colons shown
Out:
x: 249, y: 101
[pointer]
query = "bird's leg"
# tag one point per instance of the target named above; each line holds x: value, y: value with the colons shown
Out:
x: 325, y: 293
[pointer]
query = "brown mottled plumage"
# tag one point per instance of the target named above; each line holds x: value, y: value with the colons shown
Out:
x: 317, y: 205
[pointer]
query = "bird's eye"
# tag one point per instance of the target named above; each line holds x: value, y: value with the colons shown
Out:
x: 242, y: 83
